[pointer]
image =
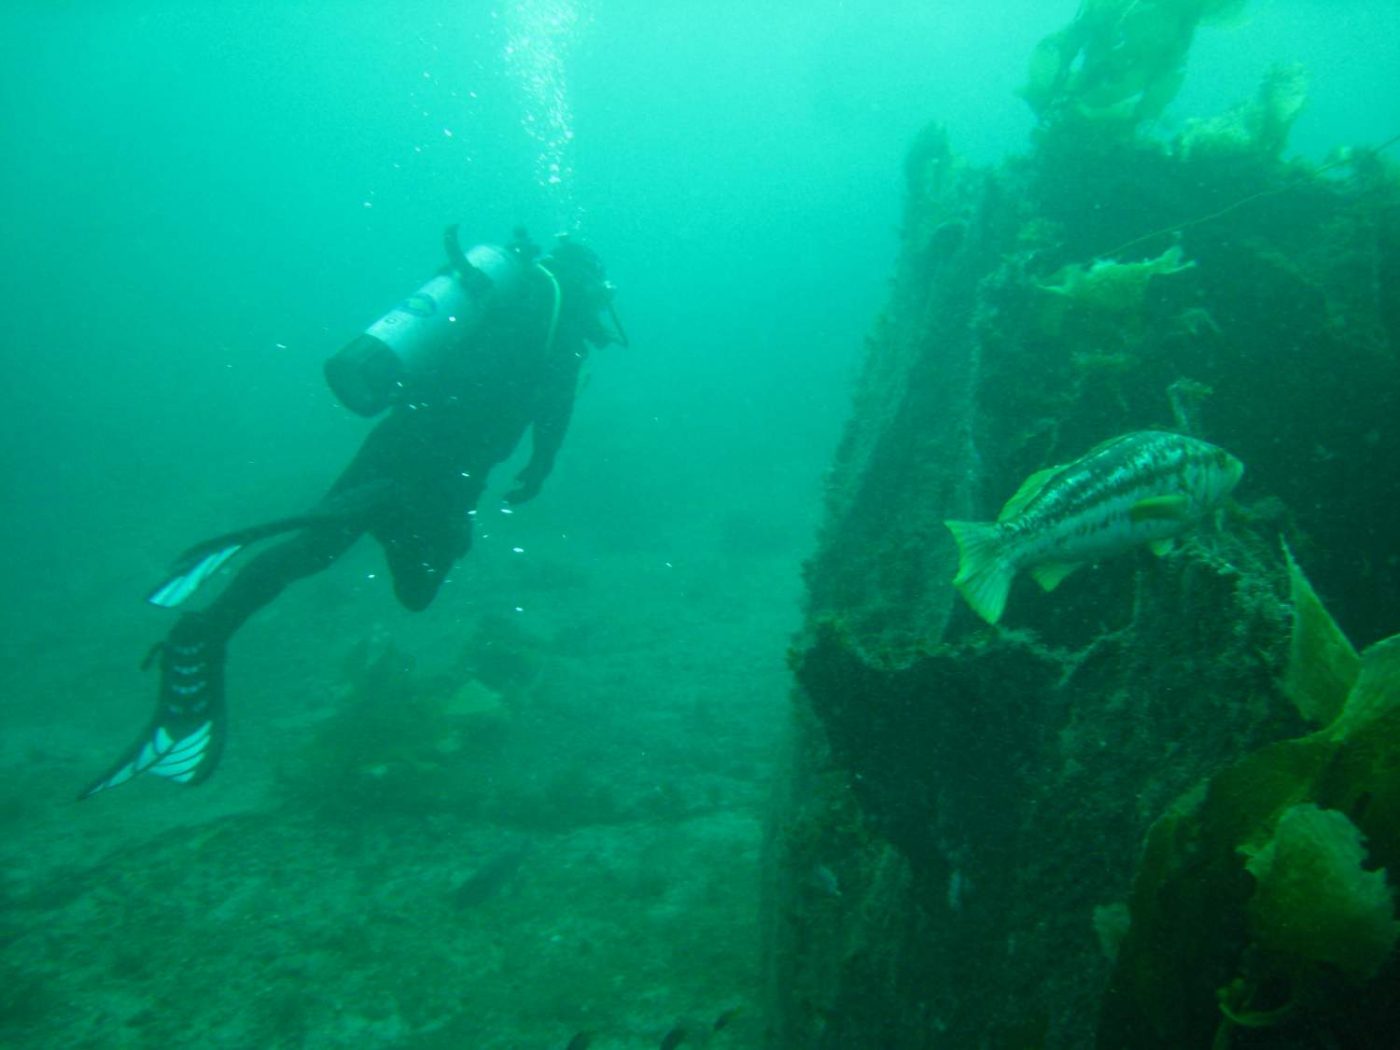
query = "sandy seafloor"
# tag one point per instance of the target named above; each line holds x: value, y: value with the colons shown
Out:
x: 619, y: 775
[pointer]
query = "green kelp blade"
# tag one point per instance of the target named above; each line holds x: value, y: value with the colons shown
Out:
x: 1322, y: 665
x: 1190, y: 895
x: 1314, y: 898
x: 1377, y: 688
x: 1044, y: 77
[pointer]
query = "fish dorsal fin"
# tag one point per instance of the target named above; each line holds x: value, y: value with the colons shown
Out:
x: 1030, y: 488
x: 1159, y: 508
x: 1052, y: 573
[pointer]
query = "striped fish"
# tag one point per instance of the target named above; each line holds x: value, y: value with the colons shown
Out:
x: 1145, y: 487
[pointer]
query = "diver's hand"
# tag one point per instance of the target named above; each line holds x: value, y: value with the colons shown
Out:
x: 528, y: 487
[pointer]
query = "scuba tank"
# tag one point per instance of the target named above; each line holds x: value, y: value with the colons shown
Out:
x: 398, y: 355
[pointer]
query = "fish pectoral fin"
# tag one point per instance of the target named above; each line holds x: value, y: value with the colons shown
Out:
x: 1030, y: 488
x: 1051, y: 574
x: 1159, y: 508
x: 1162, y: 547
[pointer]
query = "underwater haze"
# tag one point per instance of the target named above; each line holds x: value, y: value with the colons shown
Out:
x: 530, y: 815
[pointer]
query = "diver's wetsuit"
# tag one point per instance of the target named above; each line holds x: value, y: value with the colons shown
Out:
x: 412, y: 485
x: 422, y: 469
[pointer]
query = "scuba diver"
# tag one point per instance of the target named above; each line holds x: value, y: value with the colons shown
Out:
x: 488, y: 349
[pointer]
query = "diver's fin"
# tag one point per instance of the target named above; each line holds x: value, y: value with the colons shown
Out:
x: 1052, y: 574
x: 186, y: 760
x: 190, y: 570
x: 186, y: 737
x: 984, y: 575
x: 201, y: 561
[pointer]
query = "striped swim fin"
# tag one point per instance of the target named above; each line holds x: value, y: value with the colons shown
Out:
x: 201, y: 561
x: 185, y: 738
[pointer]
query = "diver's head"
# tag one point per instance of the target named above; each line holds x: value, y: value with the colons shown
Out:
x: 587, y: 292
x: 580, y: 274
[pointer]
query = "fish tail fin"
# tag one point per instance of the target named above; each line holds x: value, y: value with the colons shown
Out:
x: 984, y: 572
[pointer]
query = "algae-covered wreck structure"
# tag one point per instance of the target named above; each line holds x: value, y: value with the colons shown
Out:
x: 1154, y: 807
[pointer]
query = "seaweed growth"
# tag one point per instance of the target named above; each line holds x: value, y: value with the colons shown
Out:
x: 1119, y: 62
x: 1003, y: 778
x: 1263, y: 907
x: 1259, y: 127
x: 402, y: 744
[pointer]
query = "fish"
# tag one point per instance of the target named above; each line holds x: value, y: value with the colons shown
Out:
x: 1148, y: 486
x: 674, y: 1038
x: 492, y: 876
x: 582, y: 1041
x: 724, y: 1020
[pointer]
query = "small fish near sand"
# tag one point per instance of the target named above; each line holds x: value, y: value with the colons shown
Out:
x: 492, y: 876
x: 1148, y: 486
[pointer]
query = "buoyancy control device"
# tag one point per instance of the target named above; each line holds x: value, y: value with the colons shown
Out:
x: 397, y: 356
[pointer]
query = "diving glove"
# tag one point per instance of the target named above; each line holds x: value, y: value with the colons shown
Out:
x: 527, y: 487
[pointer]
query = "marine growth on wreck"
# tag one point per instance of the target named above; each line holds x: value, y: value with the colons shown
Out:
x: 1152, y: 803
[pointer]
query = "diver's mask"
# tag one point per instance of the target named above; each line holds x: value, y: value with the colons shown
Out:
x: 580, y: 270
